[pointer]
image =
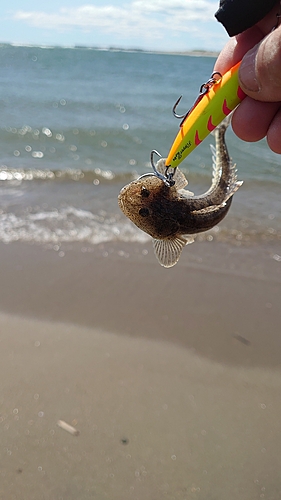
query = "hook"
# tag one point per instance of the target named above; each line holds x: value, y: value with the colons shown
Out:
x: 175, y: 107
x: 184, y: 116
x: 168, y: 177
x: 156, y: 173
x: 204, y: 89
x: 154, y: 152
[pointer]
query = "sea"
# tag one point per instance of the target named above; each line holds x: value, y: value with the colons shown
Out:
x: 77, y: 124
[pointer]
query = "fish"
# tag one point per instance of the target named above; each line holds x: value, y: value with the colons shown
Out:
x: 171, y: 214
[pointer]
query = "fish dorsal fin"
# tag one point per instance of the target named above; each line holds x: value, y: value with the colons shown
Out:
x: 168, y: 251
x: 216, y: 167
x: 179, y: 178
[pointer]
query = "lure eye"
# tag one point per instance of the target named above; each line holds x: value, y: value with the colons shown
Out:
x: 144, y: 212
x: 145, y: 192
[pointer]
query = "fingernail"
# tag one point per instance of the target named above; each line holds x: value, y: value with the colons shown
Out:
x: 247, y: 71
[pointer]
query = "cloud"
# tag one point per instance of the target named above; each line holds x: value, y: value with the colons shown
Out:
x: 145, y: 18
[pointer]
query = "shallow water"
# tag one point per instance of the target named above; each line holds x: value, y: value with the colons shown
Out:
x: 78, y: 124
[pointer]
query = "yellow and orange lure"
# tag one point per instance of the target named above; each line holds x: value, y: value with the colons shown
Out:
x: 218, y: 97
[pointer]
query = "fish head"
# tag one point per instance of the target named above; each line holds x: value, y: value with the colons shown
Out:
x: 145, y: 202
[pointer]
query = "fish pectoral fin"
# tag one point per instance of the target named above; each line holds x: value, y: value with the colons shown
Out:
x: 188, y: 238
x: 168, y: 251
x: 185, y: 193
x: 215, y: 208
x: 179, y: 178
x: 208, y: 210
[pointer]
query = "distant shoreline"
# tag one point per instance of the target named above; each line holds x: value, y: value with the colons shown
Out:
x: 191, y: 53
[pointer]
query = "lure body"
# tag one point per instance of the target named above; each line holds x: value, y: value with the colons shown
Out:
x: 221, y: 98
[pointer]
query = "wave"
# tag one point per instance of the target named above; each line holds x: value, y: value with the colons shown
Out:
x: 67, y: 225
x: 199, y: 181
x: 70, y: 224
x: 95, y: 176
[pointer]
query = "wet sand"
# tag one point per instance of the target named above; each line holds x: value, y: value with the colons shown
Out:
x: 172, y: 377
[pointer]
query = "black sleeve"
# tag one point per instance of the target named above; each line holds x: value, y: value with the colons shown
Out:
x: 239, y: 15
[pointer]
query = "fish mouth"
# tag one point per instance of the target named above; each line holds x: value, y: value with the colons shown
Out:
x: 124, y: 199
x: 121, y: 201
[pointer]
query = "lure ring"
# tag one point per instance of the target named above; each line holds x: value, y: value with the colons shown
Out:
x: 205, y: 87
x: 169, y: 175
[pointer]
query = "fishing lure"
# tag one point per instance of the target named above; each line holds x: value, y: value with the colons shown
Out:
x: 217, y: 98
x: 158, y: 204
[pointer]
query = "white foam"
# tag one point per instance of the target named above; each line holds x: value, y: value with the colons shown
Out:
x: 68, y: 224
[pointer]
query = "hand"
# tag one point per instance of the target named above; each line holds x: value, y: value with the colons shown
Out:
x: 259, y: 114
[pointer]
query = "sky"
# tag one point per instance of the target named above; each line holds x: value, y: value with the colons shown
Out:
x: 168, y: 25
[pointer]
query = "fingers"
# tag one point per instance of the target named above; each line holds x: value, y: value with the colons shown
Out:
x: 274, y: 133
x: 251, y: 120
x: 259, y: 115
x: 260, y: 70
x: 236, y: 48
x: 259, y: 49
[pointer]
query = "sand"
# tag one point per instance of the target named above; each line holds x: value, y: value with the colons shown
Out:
x: 172, y: 377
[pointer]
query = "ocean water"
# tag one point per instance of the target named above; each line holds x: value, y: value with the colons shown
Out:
x: 77, y: 124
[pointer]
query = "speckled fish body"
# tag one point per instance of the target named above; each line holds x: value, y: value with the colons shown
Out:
x: 171, y: 214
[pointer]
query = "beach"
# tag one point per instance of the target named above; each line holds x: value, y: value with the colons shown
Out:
x: 120, y: 379
x: 171, y: 376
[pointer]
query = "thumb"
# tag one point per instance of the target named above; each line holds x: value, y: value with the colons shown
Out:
x: 260, y: 69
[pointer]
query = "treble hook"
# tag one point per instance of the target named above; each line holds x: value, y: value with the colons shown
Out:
x: 175, y: 107
x: 168, y: 177
x: 204, y: 89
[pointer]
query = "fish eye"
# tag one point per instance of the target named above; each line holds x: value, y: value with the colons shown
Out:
x: 144, y: 212
x: 145, y: 192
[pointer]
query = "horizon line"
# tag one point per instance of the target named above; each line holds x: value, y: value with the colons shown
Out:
x: 192, y: 52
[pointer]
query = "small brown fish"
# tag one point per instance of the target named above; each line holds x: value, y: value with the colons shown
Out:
x: 171, y: 214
